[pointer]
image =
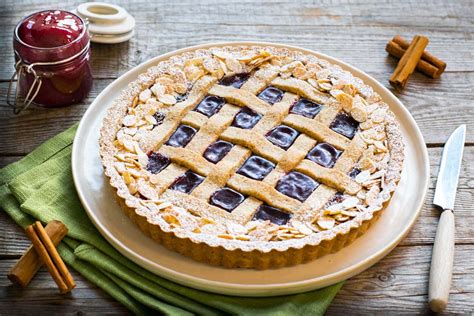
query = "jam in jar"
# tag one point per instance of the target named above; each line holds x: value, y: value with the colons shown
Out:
x: 52, y: 53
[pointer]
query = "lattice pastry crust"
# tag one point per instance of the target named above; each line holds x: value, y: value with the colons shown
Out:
x: 253, y: 157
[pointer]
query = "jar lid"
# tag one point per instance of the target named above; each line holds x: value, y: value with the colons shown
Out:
x: 107, y: 23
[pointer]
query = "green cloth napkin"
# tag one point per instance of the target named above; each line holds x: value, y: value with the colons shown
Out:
x: 40, y: 187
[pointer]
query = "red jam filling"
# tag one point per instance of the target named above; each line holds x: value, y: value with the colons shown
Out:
x: 49, y: 29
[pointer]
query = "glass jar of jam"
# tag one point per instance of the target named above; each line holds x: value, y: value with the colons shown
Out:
x: 52, y: 53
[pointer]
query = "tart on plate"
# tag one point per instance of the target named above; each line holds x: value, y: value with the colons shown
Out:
x: 251, y: 156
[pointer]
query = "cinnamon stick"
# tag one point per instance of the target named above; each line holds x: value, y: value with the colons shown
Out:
x: 27, y: 266
x: 408, y: 62
x: 423, y: 66
x: 43, y: 254
x: 53, y: 253
x: 433, y: 60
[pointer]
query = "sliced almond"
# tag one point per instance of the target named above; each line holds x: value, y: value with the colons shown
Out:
x: 236, y: 229
x: 132, y: 187
x: 206, y: 221
x: 313, y: 67
x: 150, y: 119
x: 345, y: 100
x: 146, y: 190
x: 377, y: 175
x: 143, y: 159
x: 324, y: 84
x: 380, y: 147
x: 120, y: 166
x: 371, y: 195
x: 252, y: 225
x: 313, y: 82
x: 350, y: 89
x: 359, y: 113
x: 378, y: 116
x: 289, y: 67
x: 127, y: 177
x: 329, y: 211
x: 167, y: 99
x: 326, y: 222
x: 180, y: 88
x: 154, y: 178
x: 284, y: 236
x: 164, y: 205
x: 323, y: 74
x: 341, y: 218
x: 363, y: 176
x: 233, y: 65
x: 193, y: 62
x: 372, y: 107
x: 301, y: 227
x: 225, y: 236
x: 194, y: 73
x: 129, y: 120
x: 367, y: 164
x: 144, y: 95
x: 349, y: 213
x: 171, y: 219
x: 366, y: 124
x: 242, y: 237
x: 350, y: 202
x: 177, y: 75
x: 120, y: 157
x: 299, y: 72
x: 158, y: 89
x: 220, y: 54
x: 134, y: 102
x: 134, y: 172
x: 130, y: 130
x: 164, y: 80
x: 285, y: 75
x: 129, y: 145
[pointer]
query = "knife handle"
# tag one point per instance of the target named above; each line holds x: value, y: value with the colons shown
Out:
x: 442, y: 262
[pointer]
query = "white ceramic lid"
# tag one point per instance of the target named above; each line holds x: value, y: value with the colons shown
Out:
x: 107, y: 23
x: 112, y: 39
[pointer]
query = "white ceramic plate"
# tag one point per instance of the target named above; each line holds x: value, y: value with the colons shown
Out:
x: 379, y: 240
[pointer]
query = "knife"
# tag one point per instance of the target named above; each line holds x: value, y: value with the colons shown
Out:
x: 445, y: 193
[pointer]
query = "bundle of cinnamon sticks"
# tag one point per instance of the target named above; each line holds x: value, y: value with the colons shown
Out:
x: 413, y: 56
x: 43, y: 251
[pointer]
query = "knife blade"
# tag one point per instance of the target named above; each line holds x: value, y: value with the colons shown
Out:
x: 448, y: 174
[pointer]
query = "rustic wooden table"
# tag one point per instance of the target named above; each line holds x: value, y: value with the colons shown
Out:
x: 354, y: 31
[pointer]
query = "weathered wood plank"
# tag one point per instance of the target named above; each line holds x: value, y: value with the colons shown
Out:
x: 13, y: 241
x: 42, y: 296
x: 455, y: 14
x: 6, y: 160
x: 398, y: 284
x: 424, y: 229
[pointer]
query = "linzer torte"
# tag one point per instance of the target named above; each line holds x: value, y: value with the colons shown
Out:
x: 251, y: 157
